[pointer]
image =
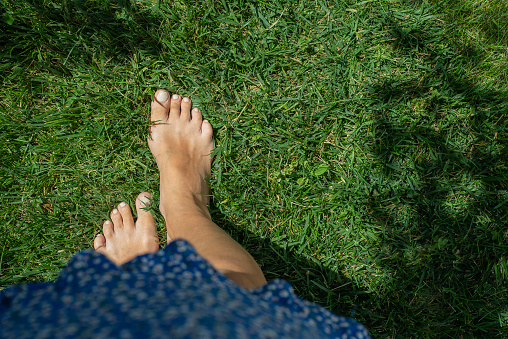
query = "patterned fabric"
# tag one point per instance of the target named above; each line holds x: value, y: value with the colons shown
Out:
x: 172, y: 293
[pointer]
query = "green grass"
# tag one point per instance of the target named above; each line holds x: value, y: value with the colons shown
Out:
x: 362, y: 147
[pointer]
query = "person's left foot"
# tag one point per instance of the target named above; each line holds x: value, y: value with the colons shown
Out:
x: 124, y: 239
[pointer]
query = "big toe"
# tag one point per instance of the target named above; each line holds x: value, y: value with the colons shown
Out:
x: 160, y: 106
x: 145, y: 218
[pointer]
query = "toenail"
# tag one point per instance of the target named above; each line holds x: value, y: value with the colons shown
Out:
x: 115, y: 211
x: 162, y: 96
x: 107, y: 223
x: 175, y: 96
x: 186, y: 99
x: 196, y: 109
x: 122, y: 204
x: 206, y: 121
x: 145, y: 201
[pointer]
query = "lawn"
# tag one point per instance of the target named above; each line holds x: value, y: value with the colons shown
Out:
x: 362, y: 148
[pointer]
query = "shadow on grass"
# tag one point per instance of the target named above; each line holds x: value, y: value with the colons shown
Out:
x: 60, y: 35
x: 310, y: 279
x: 445, y: 213
x: 489, y: 17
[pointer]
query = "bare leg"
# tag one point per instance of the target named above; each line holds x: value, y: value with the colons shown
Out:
x: 124, y: 239
x: 181, y: 143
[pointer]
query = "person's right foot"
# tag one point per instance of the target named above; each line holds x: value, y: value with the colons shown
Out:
x: 181, y: 142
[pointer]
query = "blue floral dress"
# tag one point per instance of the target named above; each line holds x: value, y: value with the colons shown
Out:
x: 172, y: 293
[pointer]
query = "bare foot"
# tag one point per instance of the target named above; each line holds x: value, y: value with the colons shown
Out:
x: 123, y: 240
x: 181, y: 142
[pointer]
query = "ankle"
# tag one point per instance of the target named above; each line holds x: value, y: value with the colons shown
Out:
x: 185, y: 206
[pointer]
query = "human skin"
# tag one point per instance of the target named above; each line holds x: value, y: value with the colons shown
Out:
x: 181, y: 142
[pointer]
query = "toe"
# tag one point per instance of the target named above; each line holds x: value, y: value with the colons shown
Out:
x: 126, y: 213
x: 99, y: 241
x: 146, y: 222
x: 108, y: 229
x: 160, y: 106
x: 207, y: 130
x: 197, y: 118
x: 145, y: 218
x: 186, y: 109
x: 116, y: 217
x: 174, y: 111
